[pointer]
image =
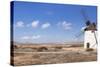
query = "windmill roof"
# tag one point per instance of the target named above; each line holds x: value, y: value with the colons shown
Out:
x: 91, y: 27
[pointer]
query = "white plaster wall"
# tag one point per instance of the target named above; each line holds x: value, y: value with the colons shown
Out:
x: 89, y: 37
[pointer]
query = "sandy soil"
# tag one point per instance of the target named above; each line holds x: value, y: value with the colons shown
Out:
x: 51, y: 55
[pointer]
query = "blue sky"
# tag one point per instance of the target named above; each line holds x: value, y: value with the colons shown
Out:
x: 49, y: 23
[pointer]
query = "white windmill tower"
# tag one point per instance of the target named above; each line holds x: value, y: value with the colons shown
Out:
x: 90, y: 33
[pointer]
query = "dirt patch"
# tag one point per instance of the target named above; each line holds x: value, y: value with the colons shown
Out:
x: 51, y: 55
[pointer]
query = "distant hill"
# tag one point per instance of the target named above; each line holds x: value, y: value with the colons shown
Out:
x: 65, y: 43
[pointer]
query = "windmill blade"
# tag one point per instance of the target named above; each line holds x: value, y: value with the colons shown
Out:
x: 84, y: 15
x: 96, y: 20
x: 95, y: 37
x: 96, y: 23
x: 79, y: 34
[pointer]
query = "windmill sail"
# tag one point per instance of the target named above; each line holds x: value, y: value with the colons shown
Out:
x: 95, y: 37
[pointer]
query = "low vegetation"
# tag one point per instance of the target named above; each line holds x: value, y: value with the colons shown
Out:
x: 51, y: 54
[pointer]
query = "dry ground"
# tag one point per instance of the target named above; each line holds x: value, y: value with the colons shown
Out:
x: 30, y: 55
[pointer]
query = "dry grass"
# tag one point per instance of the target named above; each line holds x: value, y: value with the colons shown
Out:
x: 44, y: 54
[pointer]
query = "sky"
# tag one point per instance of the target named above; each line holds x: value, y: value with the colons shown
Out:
x: 49, y: 23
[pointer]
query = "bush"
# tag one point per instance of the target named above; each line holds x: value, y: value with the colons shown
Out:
x: 89, y: 49
x: 42, y: 49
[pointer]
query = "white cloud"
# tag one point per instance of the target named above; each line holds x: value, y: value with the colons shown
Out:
x: 25, y: 37
x: 20, y: 24
x: 35, y: 24
x: 65, y: 25
x: 35, y: 36
x: 45, y: 25
x: 30, y: 37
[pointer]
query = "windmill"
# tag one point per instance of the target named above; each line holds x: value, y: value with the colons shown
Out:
x: 90, y: 32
